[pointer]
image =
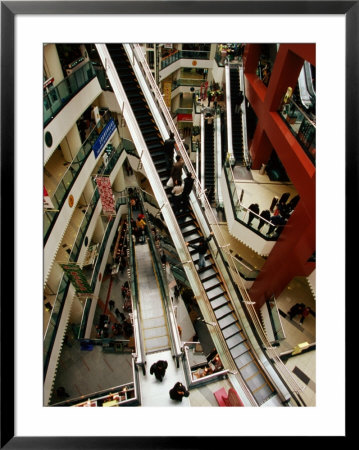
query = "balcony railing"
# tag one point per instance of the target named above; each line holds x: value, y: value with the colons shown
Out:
x: 186, y: 82
x: 267, y: 231
x: 302, y: 127
x: 60, y: 95
x: 183, y: 54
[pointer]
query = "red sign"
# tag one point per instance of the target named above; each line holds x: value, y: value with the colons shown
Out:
x: 184, y: 117
x: 106, y: 195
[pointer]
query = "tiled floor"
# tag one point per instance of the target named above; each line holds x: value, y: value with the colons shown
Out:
x: 156, y: 393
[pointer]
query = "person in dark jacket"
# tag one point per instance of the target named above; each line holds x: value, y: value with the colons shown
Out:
x: 265, y: 214
x: 169, y: 148
x: 277, y: 223
x: 202, y: 248
x: 253, y: 208
x: 159, y: 369
x: 187, y: 188
x: 178, y: 392
x: 176, y: 171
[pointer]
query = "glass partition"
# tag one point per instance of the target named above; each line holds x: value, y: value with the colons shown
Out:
x: 58, y: 96
x: 84, y: 319
x: 54, y: 320
x: 83, y: 227
x: 186, y: 82
x: 301, y: 125
x: 183, y: 54
x: 140, y: 360
x: 276, y: 322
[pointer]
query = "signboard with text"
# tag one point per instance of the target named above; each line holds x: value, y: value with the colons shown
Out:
x: 104, y: 136
x: 106, y: 195
x: 77, y: 278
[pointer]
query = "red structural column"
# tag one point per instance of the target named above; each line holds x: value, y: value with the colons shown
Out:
x: 260, y: 149
x: 289, y: 257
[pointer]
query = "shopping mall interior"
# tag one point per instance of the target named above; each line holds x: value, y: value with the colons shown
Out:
x: 150, y: 151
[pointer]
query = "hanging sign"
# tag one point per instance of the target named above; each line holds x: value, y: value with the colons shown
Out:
x: 104, y: 136
x: 77, y: 278
x: 106, y: 195
x: 47, y: 200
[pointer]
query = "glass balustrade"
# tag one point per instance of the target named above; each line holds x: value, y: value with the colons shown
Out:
x: 266, y: 229
x: 85, y: 318
x: 248, y: 273
x: 54, y: 320
x: 60, y: 95
x: 65, y: 185
x: 186, y: 82
x: 302, y: 127
x: 83, y: 227
x: 275, y: 320
x: 183, y: 54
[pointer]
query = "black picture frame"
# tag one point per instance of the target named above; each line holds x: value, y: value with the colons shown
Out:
x: 9, y: 10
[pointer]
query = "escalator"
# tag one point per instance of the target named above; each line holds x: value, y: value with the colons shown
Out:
x: 140, y: 108
x: 213, y: 285
x: 237, y: 131
x: 224, y: 313
x: 209, y: 161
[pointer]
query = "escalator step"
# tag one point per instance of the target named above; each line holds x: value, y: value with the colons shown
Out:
x: 231, y: 330
x: 227, y: 321
x: 218, y: 302
x: 239, y: 350
x: 235, y: 340
x: 246, y: 365
x: 223, y: 311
